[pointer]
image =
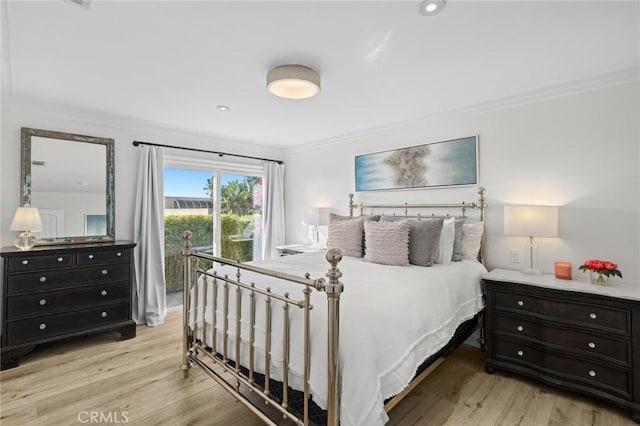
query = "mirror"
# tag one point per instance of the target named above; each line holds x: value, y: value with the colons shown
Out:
x: 70, y: 179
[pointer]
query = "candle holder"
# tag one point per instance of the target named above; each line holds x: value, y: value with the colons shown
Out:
x: 563, y: 270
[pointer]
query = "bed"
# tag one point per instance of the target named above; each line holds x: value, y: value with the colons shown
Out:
x: 315, y: 350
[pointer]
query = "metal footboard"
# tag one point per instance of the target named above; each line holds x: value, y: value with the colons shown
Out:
x: 224, y: 363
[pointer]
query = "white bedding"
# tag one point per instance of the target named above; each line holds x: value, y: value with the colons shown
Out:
x: 391, y: 319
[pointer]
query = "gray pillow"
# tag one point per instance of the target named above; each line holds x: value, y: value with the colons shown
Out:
x: 457, y: 242
x: 424, y: 239
x: 372, y: 218
x: 347, y: 236
x: 387, y: 243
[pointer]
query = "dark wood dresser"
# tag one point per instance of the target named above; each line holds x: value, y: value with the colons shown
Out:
x: 569, y: 334
x: 55, y: 292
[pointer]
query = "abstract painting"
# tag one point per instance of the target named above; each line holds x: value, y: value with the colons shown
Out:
x: 446, y: 163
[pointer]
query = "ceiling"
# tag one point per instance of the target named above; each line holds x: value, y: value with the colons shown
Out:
x: 170, y: 63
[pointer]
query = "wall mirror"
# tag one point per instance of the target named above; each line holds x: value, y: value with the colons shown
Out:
x: 70, y: 179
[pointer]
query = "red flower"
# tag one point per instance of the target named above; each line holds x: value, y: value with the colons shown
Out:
x: 604, y: 267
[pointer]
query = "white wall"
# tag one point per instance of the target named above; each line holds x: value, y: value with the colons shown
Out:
x: 580, y: 152
x: 126, y: 158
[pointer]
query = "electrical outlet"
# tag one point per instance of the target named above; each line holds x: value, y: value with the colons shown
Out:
x: 515, y: 255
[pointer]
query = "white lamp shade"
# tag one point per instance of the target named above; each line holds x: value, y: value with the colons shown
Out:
x: 317, y: 216
x: 531, y: 221
x: 26, y: 219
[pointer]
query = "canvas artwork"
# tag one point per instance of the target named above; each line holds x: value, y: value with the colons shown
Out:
x: 446, y: 163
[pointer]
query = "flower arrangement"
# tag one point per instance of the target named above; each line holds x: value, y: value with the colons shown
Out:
x: 600, y: 270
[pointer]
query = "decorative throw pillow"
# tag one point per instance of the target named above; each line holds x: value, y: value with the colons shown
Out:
x: 347, y: 236
x: 370, y: 218
x: 424, y: 238
x: 387, y: 243
x: 471, y: 239
x: 457, y: 242
x: 446, y: 242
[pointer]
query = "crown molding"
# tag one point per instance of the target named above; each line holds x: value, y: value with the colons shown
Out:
x: 615, y: 78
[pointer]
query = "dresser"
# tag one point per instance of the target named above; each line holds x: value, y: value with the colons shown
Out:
x: 568, y: 334
x: 56, y: 292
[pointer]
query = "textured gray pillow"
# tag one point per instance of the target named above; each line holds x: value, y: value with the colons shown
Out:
x: 424, y: 239
x: 371, y: 218
x: 457, y: 242
x: 387, y: 243
x: 347, y: 236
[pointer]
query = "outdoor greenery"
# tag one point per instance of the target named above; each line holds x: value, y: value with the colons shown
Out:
x: 237, y: 195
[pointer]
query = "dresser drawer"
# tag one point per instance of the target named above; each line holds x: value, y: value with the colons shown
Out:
x: 590, y: 315
x: 48, y: 302
x: 23, y: 331
x: 42, y: 281
x: 589, y: 374
x: 99, y: 257
x: 571, y: 340
x: 32, y: 263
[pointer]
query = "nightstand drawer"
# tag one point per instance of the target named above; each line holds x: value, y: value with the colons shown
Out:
x: 27, y: 330
x: 98, y: 257
x: 588, y: 374
x: 48, y: 280
x: 569, y: 340
x: 601, y: 317
x: 44, y: 303
x: 32, y: 263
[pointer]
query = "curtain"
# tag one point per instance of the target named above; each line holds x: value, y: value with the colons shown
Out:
x: 149, y: 298
x: 273, y: 226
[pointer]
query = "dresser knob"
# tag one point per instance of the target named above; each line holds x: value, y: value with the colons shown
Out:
x: 593, y: 316
x: 118, y: 254
x: 520, y: 303
x: 104, y: 272
x: 43, y: 326
x: 520, y: 353
x: 60, y: 259
x: 592, y: 345
x: 25, y: 262
x: 43, y: 302
x: 592, y: 373
x: 104, y: 315
x: 90, y: 256
x: 43, y: 279
x: 519, y: 328
x: 103, y: 292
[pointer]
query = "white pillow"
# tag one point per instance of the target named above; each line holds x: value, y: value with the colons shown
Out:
x: 447, y: 237
x: 471, y: 238
x: 347, y: 236
x: 387, y: 243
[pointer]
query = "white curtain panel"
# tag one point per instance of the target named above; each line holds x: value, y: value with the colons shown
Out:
x: 149, y: 298
x: 272, y: 209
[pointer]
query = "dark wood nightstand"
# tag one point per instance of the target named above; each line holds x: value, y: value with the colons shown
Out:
x: 569, y: 334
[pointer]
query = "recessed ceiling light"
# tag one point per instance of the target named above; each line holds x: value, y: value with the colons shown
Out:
x: 431, y: 7
x: 293, y: 82
x: 224, y: 107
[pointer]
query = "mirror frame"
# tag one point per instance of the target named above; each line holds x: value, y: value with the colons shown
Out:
x: 25, y: 180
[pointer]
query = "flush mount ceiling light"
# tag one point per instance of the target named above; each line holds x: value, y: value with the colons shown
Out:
x: 293, y: 82
x: 431, y: 7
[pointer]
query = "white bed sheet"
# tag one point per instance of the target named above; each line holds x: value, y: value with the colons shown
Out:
x: 391, y: 319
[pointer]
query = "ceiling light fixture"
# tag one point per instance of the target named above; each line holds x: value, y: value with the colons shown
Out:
x: 293, y: 82
x: 431, y: 7
x: 223, y: 107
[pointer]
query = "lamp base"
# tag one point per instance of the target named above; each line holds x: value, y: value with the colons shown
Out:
x: 25, y: 241
x: 531, y: 271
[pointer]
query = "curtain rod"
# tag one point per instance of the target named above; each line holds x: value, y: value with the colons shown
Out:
x: 221, y: 154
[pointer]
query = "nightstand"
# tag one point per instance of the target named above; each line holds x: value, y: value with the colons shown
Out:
x: 297, y: 249
x: 568, y: 334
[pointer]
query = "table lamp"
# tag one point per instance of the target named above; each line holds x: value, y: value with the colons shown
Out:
x: 317, y: 216
x: 531, y: 221
x: 26, y: 220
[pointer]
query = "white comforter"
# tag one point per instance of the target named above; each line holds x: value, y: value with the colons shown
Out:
x: 391, y: 319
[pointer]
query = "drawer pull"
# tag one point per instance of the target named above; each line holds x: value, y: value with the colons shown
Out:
x: 60, y: 259
x: 43, y: 279
x: 90, y: 256
x: 43, y: 302
x: 43, y: 326
x: 520, y: 353
x: 592, y: 373
x: 520, y: 303
x: 593, y: 315
x: 118, y: 254
x: 592, y: 345
x: 103, y: 292
x: 25, y: 262
x: 519, y: 328
x: 104, y: 272
x: 104, y: 315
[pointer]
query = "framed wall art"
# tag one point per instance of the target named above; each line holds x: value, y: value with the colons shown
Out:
x: 440, y: 164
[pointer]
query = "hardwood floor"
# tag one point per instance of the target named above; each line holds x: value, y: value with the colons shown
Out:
x: 138, y: 382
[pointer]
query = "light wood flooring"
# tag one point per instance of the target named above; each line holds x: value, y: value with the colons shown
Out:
x: 138, y: 382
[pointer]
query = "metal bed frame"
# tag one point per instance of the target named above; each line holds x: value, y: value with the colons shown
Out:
x: 238, y: 380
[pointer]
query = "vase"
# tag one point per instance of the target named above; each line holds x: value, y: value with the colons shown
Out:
x: 598, y: 278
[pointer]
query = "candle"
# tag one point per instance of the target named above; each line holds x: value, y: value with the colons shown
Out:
x: 563, y: 270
